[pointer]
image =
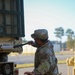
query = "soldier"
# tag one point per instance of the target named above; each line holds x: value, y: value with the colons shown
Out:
x: 45, y: 60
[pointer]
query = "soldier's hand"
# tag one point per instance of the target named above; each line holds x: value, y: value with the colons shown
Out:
x: 28, y: 73
x: 30, y: 42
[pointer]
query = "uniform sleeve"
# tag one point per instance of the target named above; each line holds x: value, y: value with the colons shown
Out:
x: 44, y: 66
x: 34, y: 44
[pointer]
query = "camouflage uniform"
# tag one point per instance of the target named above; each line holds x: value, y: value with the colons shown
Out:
x: 45, y: 60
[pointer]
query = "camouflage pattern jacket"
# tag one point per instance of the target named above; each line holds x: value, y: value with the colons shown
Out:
x: 45, y: 60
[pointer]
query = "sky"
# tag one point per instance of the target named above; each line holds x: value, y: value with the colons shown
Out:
x: 48, y: 14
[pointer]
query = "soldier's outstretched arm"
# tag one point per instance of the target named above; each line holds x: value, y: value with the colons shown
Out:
x: 32, y: 43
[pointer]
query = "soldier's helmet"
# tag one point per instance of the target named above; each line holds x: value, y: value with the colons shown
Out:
x: 40, y: 34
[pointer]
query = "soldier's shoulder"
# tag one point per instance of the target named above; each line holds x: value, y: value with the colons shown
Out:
x: 45, y: 50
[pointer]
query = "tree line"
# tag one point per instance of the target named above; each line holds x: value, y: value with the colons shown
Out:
x: 70, y: 42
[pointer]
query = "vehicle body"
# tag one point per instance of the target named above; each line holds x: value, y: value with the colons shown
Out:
x: 11, y: 27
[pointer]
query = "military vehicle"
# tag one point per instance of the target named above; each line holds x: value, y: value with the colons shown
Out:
x: 11, y: 32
